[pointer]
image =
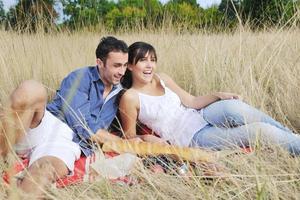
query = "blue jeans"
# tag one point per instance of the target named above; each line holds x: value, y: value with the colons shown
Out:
x: 234, y: 123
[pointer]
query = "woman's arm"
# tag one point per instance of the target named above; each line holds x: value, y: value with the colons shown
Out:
x: 199, y: 101
x: 129, y: 107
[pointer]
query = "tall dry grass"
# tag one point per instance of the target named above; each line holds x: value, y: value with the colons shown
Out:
x: 261, y: 66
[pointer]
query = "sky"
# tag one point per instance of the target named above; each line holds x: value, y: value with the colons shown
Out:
x: 8, y: 3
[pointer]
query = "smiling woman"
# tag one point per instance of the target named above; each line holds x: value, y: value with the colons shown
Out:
x: 217, y: 121
x: 145, y: 63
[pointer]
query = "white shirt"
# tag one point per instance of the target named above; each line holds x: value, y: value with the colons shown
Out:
x: 169, y: 118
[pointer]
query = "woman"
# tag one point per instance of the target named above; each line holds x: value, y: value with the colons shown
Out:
x: 217, y: 121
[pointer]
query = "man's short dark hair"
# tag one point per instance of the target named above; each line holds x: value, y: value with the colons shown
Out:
x: 110, y: 44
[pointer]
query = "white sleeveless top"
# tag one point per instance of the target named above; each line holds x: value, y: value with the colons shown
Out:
x: 169, y: 118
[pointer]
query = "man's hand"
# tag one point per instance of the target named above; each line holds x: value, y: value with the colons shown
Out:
x: 102, y: 136
x: 153, y: 139
x: 135, y: 139
x: 226, y: 95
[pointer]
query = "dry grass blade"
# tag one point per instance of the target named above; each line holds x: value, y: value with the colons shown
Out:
x: 264, y: 67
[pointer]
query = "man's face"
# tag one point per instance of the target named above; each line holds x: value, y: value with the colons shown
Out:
x: 114, y: 68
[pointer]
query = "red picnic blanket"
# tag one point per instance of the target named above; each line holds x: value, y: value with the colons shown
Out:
x: 80, y: 175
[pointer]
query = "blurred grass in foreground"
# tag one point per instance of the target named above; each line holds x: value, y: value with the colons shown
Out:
x: 264, y: 67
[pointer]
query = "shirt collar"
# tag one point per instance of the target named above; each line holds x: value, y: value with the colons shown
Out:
x: 96, y: 77
x: 95, y: 74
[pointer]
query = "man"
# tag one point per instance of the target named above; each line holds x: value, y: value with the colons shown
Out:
x: 78, y: 116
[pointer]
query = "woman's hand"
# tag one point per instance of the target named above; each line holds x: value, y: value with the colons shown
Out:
x: 226, y: 95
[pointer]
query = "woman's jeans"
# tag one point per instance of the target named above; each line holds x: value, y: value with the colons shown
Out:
x: 233, y: 123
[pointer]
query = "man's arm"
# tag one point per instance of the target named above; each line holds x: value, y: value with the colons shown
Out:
x: 74, y: 99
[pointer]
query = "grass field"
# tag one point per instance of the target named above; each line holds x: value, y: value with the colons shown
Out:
x: 263, y: 67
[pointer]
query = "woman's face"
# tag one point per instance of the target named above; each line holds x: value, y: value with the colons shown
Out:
x: 144, y: 69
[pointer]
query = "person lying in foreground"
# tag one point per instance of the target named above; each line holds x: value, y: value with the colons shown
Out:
x: 52, y: 136
x: 217, y: 121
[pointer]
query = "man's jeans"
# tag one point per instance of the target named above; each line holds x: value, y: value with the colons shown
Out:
x: 234, y: 123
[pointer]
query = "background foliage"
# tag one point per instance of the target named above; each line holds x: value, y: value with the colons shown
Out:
x: 2, y: 13
x: 150, y: 14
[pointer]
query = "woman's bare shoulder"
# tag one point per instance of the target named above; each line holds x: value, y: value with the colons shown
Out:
x: 130, y: 96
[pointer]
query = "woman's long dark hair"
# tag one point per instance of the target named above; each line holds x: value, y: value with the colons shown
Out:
x: 136, y: 51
